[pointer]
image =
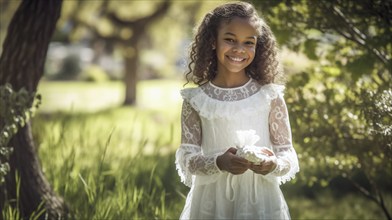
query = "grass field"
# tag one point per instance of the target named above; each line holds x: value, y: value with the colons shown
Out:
x: 112, y: 162
x: 90, y: 97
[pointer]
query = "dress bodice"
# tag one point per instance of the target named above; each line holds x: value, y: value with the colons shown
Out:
x: 211, y: 117
x: 223, y: 111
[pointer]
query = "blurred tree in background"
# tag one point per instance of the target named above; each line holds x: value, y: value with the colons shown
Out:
x: 341, y: 106
x: 123, y: 29
x: 22, y: 65
x: 146, y: 50
x: 110, y: 25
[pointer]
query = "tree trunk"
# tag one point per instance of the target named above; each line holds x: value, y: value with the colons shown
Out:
x: 22, y: 65
x: 131, y: 51
x: 131, y: 64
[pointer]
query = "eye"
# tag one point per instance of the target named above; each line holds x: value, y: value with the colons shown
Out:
x: 250, y: 43
x: 230, y: 40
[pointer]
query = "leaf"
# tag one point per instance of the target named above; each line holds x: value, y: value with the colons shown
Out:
x: 360, y: 66
x: 310, y: 47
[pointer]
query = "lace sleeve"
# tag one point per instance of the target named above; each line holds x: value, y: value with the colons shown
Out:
x: 280, y: 135
x: 189, y: 158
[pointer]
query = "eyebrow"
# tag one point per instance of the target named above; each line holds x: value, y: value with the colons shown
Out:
x: 250, y: 37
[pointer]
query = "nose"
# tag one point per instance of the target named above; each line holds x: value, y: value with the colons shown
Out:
x: 239, y: 49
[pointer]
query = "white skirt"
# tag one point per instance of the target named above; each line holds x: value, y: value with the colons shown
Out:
x: 245, y: 196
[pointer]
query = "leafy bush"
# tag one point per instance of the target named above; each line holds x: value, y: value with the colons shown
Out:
x: 342, y: 128
x: 16, y: 109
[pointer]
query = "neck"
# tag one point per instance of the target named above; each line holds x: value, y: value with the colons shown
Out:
x: 230, y: 80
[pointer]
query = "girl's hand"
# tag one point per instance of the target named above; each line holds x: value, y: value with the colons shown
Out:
x: 267, y: 166
x: 232, y: 163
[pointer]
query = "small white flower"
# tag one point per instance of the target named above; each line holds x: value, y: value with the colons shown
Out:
x: 246, y: 138
x: 245, y: 142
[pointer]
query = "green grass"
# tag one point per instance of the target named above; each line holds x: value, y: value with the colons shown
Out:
x: 118, y: 163
x: 326, y: 205
x: 90, y: 97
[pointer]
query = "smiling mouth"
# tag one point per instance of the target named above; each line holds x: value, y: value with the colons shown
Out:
x: 236, y: 59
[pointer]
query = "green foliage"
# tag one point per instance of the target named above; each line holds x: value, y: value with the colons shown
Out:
x: 13, y: 212
x: 94, y: 73
x: 326, y: 206
x: 9, y: 211
x: 16, y: 109
x: 162, y: 50
x: 339, y: 107
x: 355, y: 35
x: 123, y: 170
x: 342, y: 128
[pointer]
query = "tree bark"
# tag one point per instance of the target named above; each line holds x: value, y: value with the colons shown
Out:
x: 22, y: 65
x: 130, y: 74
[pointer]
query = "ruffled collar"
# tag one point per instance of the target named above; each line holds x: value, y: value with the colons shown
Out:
x: 231, y: 94
x: 215, y: 102
x: 234, y: 88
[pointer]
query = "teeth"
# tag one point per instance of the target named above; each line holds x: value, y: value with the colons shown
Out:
x: 236, y: 59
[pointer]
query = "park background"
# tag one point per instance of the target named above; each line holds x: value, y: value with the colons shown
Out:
x: 108, y: 119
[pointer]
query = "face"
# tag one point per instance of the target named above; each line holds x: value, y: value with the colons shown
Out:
x: 235, y: 46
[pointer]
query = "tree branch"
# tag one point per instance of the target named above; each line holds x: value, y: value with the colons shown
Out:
x: 363, y: 190
x: 380, y: 197
x: 113, y: 17
x: 98, y: 34
x: 79, y: 22
x: 356, y: 35
x: 359, y: 37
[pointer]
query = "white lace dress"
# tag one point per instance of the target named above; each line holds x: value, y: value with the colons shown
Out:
x: 210, y: 118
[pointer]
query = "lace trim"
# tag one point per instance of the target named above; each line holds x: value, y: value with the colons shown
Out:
x: 190, y: 162
x: 190, y: 125
x: 212, y: 102
x: 231, y: 94
x: 280, y: 136
x: 287, y: 166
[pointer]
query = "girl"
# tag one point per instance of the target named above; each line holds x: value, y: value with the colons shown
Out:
x: 234, y: 62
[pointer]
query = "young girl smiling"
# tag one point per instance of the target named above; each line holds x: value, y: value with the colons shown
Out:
x: 234, y: 62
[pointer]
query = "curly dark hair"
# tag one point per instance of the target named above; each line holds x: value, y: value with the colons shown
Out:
x: 265, y: 68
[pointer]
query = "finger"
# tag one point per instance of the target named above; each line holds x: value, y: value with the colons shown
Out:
x: 236, y: 167
x: 241, y: 160
x: 232, y: 150
x: 267, y: 151
x: 238, y: 170
x: 254, y: 166
x: 265, y: 167
x: 262, y: 169
x: 267, y: 163
x: 257, y: 169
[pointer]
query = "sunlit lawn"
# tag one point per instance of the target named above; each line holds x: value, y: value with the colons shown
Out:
x: 118, y: 162
x: 88, y: 97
